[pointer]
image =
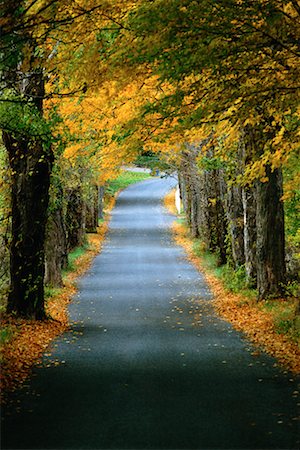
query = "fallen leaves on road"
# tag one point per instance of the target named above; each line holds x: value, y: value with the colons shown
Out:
x: 245, y: 315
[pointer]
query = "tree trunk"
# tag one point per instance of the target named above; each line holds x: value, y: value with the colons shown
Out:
x: 75, y: 219
x: 249, y: 210
x: 218, y: 221
x: 31, y: 167
x: 55, y: 249
x: 194, y: 210
x: 234, y: 207
x: 270, y: 236
x: 100, y: 202
x: 183, y: 189
x: 92, y: 211
x: 31, y: 162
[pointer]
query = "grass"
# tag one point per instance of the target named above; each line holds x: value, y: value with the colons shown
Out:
x: 51, y: 291
x: 234, y: 279
x: 5, y: 335
x: 125, y: 179
x: 285, y: 316
x: 73, y: 257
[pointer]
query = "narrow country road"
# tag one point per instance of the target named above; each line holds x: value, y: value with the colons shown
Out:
x: 147, y: 363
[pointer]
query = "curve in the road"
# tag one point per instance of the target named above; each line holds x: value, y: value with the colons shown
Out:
x: 147, y: 363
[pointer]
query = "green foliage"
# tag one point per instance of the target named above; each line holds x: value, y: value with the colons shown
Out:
x: 22, y: 118
x: 210, y: 163
x: 5, y: 335
x: 126, y: 178
x: 292, y: 289
x: 283, y: 326
x: 234, y: 279
x: 152, y: 161
x: 210, y: 260
x: 292, y: 203
x: 222, y: 40
x: 51, y: 291
x: 286, y: 316
x: 73, y: 256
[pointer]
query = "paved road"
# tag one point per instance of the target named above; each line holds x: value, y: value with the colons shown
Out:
x: 148, y: 364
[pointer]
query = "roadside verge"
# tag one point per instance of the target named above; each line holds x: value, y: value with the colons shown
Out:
x: 245, y: 314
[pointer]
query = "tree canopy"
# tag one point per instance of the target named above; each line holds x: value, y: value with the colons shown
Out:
x: 88, y: 86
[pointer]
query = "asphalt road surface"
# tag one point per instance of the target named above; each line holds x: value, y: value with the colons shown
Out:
x: 147, y: 363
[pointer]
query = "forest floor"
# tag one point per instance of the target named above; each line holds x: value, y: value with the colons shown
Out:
x: 259, y: 320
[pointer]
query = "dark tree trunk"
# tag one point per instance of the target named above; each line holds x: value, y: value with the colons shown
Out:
x: 195, y: 200
x: 55, y: 249
x: 31, y: 162
x: 220, y: 220
x: 182, y: 187
x: 31, y: 167
x: 92, y: 211
x: 100, y: 202
x: 248, y: 144
x: 249, y: 210
x: 189, y: 181
x: 206, y: 214
x: 234, y: 207
x: 203, y: 195
x: 75, y: 219
x: 270, y: 236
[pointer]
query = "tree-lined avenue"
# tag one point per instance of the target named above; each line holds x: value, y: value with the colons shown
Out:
x: 147, y: 363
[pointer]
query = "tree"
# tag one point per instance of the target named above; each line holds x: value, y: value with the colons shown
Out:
x: 36, y: 44
x: 236, y: 62
x: 27, y: 139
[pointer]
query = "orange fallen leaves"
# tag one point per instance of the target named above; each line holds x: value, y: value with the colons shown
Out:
x: 245, y: 315
x: 32, y: 338
x: 169, y: 202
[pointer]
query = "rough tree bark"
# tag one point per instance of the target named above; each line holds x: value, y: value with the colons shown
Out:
x: 249, y: 211
x: 55, y: 248
x: 92, y: 212
x: 203, y: 211
x: 75, y: 219
x: 30, y: 163
x: 248, y: 138
x: 267, y: 226
x: 101, y: 191
x: 219, y: 216
x: 235, y: 215
x: 203, y: 201
x: 270, y: 235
